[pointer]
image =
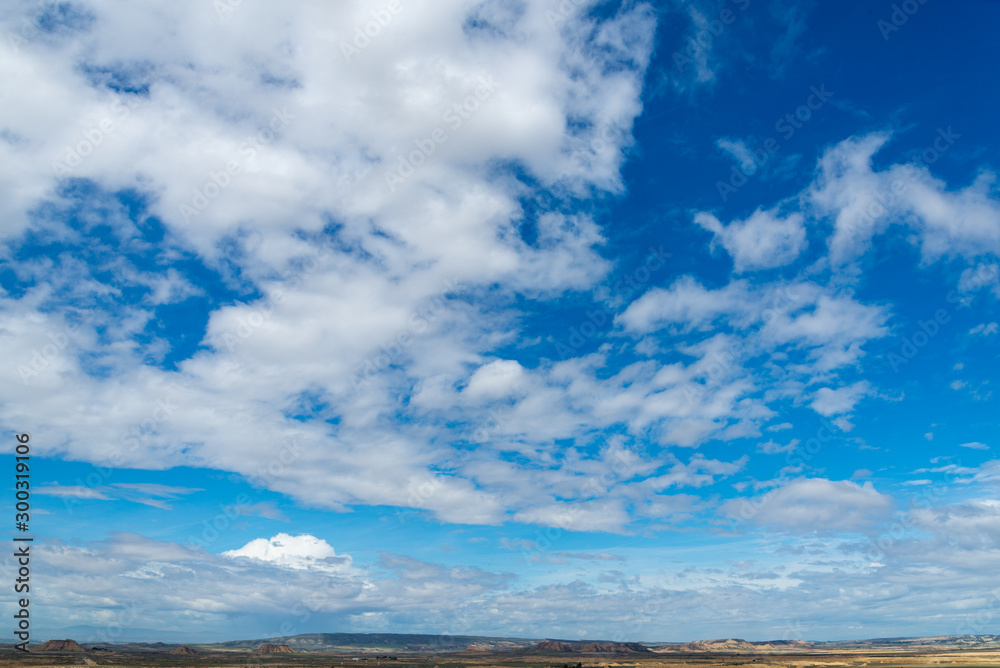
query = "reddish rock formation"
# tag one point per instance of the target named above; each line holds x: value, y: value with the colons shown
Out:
x: 183, y: 649
x: 59, y: 646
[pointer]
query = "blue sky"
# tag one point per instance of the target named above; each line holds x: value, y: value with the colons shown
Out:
x: 643, y: 321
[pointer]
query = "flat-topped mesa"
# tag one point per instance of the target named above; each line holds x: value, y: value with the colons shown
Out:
x: 269, y: 648
x: 60, y: 646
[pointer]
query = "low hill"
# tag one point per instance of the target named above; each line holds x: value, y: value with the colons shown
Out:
x: 982, y: 641
x: 736, y: 645
x: 184, y: 650
x: 271, y: 648
x: 584, y: 647
x: 60, y: 646
x: 933, y: 643
x: 727, y: 645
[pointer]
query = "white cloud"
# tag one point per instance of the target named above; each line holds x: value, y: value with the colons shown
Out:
x: 974, y: 445
x: 772, y: 448
x: 599, y: 556
x: 368, y: 286
x: 816, y: 504
x: 763, y: 241
x: 72, y: 491
x: 829, y: 326
x: 829, y: 402
x: 980, y: 277
x: 496, y: 379
x: 262, y: 509
x: 843, y: 424
x: 834, y: 329
x: 739, y: 151
x: 169, y: 585
x: 149, y: 494
x: 686, y: 304
x: 381, y: 301
x: 606, y: 515
x: 863, y: 203
x: 973, y: 524
x: 984, y: 329
x: 694, y: 61
x: 302, y: 552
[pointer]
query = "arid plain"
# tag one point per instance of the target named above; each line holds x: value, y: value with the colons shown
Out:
x: 952, y: 652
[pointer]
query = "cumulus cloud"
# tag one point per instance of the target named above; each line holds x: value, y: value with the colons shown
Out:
x: 825, y: 328
x: 763, y: 241
x: 862, y: 203
x: 686, y: 304
x: 302, y: 552
x: 334, y: 255
x: 832, y: 327
x: 250, y: 243
x: 829, y: 402
x: 495, y: 379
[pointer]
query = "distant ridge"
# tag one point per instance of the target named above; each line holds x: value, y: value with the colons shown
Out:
x: 740, y: 645
x: 271, y: 648
x: 731, y: 644
x: 380, y: 642
x: 373, y: 644
x: 582, y: 647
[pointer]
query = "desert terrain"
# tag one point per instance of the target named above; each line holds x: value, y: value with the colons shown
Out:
x: 325, y: 650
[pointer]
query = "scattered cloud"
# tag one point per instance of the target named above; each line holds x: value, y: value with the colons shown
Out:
x: 974, y: 445
x: 984, y: 329
x: 816, y: 504
x: 149, y: 494
x: 829, y: 402
x: 763, y: 241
